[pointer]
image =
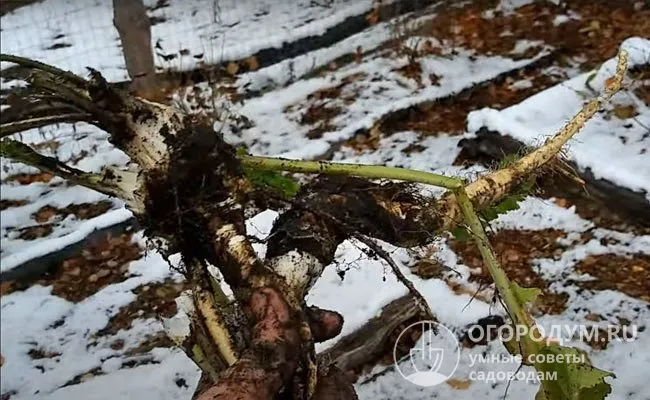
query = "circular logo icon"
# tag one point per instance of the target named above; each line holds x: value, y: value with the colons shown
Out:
x: 433, y: 359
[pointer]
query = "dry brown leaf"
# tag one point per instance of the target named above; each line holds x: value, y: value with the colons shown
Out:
x: 44, y: 214
x: 593, y: 26
x: 593, y: 317
x: 232, y: 68
x: 252, y: 63
x: 373, y: 16
x: 26, y: 179
x: 459, y: 384
x: 625, y: 112
x: 5, y: 287
x: 564, y: 203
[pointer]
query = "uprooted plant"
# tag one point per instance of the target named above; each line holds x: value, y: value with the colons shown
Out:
x: 193, y: 191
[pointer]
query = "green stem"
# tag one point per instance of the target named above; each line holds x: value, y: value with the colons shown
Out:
x: 480, y: 237
x: 21, y: 152
x: 359, y: 170
x: 504, y: 285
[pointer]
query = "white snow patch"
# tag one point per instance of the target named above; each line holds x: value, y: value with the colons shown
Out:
x: 36, y: 319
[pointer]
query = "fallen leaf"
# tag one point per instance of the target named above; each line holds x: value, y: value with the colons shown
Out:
x: 625, y: 112
x: 252, y: 63
x: 26, y: 179
x: 5, y: 287
x: 593, y: 317
x: 44, y: 214
x: 459, y: 384
x: 373, y: 16
x: 593, y: 26
x: 232, y: 68
x: 638, y: 268
x: 561, y: 202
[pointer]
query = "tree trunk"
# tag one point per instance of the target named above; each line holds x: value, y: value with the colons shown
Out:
x: 132, y: 23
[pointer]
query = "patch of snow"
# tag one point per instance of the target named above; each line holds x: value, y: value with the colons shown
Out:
x: 22, y: 251
x: 378, y: 92
x: 564, y: 18
x: 36, y: 319
x: 173, y: 377
x: 290, y: 70
x: 369, y: 285
x: 521, y: 84
x: 538, y: 214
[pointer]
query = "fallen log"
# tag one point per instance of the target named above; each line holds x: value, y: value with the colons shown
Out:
x: 371, y: 342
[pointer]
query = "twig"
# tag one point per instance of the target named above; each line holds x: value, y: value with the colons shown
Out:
x: 360, y: 170
x: 112, y: 182
x: 29, y: 63
x: 372, y: 245
x: 18, y: 126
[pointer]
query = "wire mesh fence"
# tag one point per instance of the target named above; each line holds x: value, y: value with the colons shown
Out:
x: 74, y: 34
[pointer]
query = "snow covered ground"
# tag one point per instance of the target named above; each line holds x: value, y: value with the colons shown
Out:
x: 83, y: 363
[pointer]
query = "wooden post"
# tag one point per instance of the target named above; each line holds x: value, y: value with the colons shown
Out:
x: 132, y: 23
